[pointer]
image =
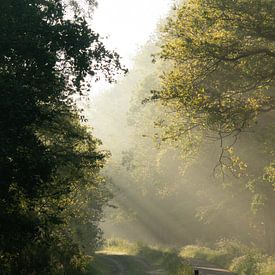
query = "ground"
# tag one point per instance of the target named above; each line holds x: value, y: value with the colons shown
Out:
x: 116, y: 263
x: 120, y: 263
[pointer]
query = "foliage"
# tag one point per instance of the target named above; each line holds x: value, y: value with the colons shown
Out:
x: 219, y: 84
x: 49, y: 160
x: 232, y: 254
x: 198, y: 116
x: 120, y: 245
x: 204, y: 253
x: 218, y: 50
x: 247, y: 264
x: 268, y: 267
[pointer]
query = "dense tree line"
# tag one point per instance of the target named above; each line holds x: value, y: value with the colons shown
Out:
x: 51, y: 194
x: 220, y: 84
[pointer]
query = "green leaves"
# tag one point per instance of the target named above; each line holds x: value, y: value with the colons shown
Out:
x: 219, y: 84
x: 223, y: 66
x: 48, y: 159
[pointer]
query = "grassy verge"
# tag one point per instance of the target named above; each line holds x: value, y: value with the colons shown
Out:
x: 234, y: 256
x: 120, y: 246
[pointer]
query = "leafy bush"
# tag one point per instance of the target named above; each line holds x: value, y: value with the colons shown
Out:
x: 232, y: 248
x: 204, y: 253
x: 268, y: 267
x: 234, y: 255
x: 248, y: 264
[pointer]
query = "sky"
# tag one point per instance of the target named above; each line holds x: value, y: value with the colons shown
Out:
x: 127, y: 24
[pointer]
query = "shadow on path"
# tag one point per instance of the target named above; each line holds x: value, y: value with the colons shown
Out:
x: 121, y: 264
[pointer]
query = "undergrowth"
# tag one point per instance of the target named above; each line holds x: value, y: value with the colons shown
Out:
x: 233, y: 255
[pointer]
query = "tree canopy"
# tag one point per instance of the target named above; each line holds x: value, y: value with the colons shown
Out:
x: 49, y: 161
x: 220, y: 85
x: 223, y: 60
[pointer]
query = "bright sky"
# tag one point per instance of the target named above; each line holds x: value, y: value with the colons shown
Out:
x: 128, y: 23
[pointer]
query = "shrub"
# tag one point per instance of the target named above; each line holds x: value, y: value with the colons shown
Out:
x: 248, y: 264
x: 268, y: 267
x: 205, y: 253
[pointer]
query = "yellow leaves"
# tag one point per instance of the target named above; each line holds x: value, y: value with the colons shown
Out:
x: 219, y: 80
x: 242, y: 166
x: 235, y: 160
x: 253, y: 103
x: 257, y: 101
x: 269, y: 174
x: 220, y: 35
x: 217, y: 34
x: 236, y: 165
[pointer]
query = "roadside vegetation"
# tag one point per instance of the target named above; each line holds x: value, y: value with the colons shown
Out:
x: 164, y: 259
x: 228, y: 254
x: 51, y: 192
x: 232, y: 255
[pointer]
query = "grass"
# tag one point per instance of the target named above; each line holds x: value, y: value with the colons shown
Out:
x: 121, y: 246
x: 157, y: 257
x: 233, y: 255
x: 217, y: 257
x: 268, y: 267
x: 229, y: 254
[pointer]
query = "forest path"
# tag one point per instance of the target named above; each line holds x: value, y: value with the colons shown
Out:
x: 205, y: 268
x: 119, y: 263
x: 124, y: 264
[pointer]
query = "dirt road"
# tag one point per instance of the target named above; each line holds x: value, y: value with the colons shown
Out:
x: 122, y: 264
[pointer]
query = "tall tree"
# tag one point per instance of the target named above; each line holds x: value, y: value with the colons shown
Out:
x: 221, y: 81
x: 46, y: 154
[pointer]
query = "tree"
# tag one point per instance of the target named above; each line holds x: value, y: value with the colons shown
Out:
x: 46, y: 156
x: 221, y: 81
x: 223, y: 63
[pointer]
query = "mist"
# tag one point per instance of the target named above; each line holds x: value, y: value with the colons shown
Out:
x: 191, y: 165
x: 165, y: 193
